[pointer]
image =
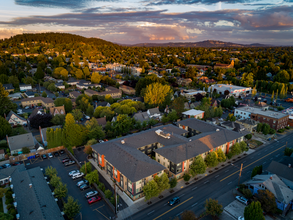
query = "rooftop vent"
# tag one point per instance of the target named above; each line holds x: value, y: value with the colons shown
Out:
x: 31, y: 185
x: 217, y: 129
x: 15, y: 204
x: 271, y: 177
x: 17, y: 216
x: 163, y: 134
x: 13, y: 195
x: 189, y: 139
x: 122, y: 142
x: 289, y: 165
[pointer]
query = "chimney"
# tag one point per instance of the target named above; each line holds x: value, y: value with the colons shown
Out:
x: 122, y: 142
x: 289, y: 165
x: 271, y: 177
x: 31, y: 185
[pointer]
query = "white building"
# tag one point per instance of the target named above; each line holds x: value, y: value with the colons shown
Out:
x: 189, y: 94
x: 234, y: 90
x: 25, y: 87
x: 192, y: 113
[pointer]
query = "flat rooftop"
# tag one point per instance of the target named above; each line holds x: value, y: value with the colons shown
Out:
x: 259, y: 111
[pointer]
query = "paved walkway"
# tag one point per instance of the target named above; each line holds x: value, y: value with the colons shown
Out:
x: 4, y: 205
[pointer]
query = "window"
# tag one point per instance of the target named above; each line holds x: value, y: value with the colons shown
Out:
x: 159, y: 160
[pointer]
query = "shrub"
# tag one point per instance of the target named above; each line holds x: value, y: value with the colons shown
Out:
x: 108, y: 193
x: 112, y: 200
x: 12, y: 211
x: 186, y: 177
x: 9, y: 206
x: 229, y: 155
x: 9, y: 201
x: 101, y: 186
x: 281, y: 130
x: 272, y: 131
x: 247, y: 193
x: 173, y: 182
x: 248, y: 136
x: 288, y: 127
x: 288, y: 151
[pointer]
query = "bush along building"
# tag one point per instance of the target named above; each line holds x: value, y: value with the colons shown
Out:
x: 134, y: 160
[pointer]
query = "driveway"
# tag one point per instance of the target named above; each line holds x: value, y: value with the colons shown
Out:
x: 98, y: 210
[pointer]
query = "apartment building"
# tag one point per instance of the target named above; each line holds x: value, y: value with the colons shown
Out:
x: 276, y: 120
x: 35, y: 101
x: 128, y: 160
x: 113, y: 92
x: 127, y: 90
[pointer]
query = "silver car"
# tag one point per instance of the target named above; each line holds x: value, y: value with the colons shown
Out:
x: 73, y: 172
x: 242, y: 200
x: 77, y: 175
x: 91, y: 194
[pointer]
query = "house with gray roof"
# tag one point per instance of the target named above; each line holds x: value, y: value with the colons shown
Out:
x: 155, y: 113
x: 129, y: 161
x: 273, y: 183
x: 33, y: 197
x: 14, y: 119
x: 16, y: 143
x: 141, y: 116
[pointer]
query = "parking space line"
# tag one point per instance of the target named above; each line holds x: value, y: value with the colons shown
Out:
x: 99, y: 207
x: 102, y: 214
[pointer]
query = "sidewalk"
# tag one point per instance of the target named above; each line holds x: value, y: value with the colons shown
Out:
x: 4, y: 205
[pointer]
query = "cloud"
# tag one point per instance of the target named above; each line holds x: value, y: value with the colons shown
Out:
x: 189, y: 2
x: 71, y: 4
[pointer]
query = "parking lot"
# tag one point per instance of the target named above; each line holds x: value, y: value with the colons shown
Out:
x: 98, y: 210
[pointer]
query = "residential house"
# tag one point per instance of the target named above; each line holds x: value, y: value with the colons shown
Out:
x: 32, y: 195
x: 113, y: 92
x: 224, y: 66
x: 15, y: 96
x: 184, y: 81
x: 8, y: 87
x: 283, y: 194
x: 155, y: 113
x: 276, y: 120
x: 129, y: 161
x: 16, y: 143
x: 34, y: 113
x: 2, y: 154
x: 24, y: 87
x: 234, y: 126
x: 249, y: 124
x: 45, y: 102
x: 29, y: 94
x: 102, y: 121
x: 14, y: 119
x: 192, y: 113
x: 72, y: 82
x: 60, y: 86
x: 74, y: 94
x: 189, y: 94
x: 141, y: 116
x: 127, y: 90
x: 102, y: 104
x: 206, y: 80
x: 60, y: 110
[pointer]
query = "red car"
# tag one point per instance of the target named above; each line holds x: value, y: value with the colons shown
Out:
x: 94, y: 199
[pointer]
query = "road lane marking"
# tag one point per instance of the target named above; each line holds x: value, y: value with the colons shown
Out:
x: 253, y: 162
x: 194, y: 188
x: 205, y: 182
x: 102, y: 214
x: 226, y: 171
x: 179, y: 214
x: 264, y: 162
x: 181, y: 195
x: 229, y: 183
x: 194, y: 204
x: 173, y: 208
x: 151, y: 212
x: 216, y: 176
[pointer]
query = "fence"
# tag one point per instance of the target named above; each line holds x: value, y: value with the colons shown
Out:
x: 33, y: 154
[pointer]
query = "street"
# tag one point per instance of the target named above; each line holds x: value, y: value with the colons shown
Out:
x: 193, y: 197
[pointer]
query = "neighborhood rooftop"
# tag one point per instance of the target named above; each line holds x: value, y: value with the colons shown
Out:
x: 259, y: 111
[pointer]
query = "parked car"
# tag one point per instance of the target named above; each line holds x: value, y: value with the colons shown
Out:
x: 26, y: 107
x: 73, y: 172
x: 68, y: 163
x: 56, y: 154
x: 87, y: 117
x: 101, y: 141
x: 94, y: 199
x: 16, y: 164
x: 84, y: 186
x: 66, y: 159
x: 174, y: 201
x: 50, y: 155
x: 61, y: 151
x: 6, y: 165
x: 241, y: 218
x: 77, y: 175
x: 44, y: 156
x: 90, y: 194
x: 80, y: 183
x: 242, y: 200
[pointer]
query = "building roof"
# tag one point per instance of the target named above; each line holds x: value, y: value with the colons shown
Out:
x: 268, y: 113
x: 102, y: 121
x: 154, y: 111
x: 20, y: 141
x: 35, y: 112
x: 141, y: 116
x: 233, y: 125
x: 229, y: 87
x: 75, y: 94
x: 13, y: 113
x: 34, y: 201
x: 126, y: 87
x: 25, y: 85
x: 103, y: 104
x: 275, y: 185
x: 58, y: 110
x: 8, y: 86
x: 248, y: 121
x: 45, y: 100
x: 193, y: 112
x: 92, y: 92
x: 282, y: 170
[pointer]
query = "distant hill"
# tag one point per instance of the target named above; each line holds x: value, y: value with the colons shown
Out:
x: 207, y: 43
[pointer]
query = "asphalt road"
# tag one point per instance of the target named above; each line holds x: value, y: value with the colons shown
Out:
x: 213, y: 186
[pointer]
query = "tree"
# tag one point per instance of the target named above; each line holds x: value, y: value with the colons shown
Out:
x: 74, y: 134
x: 178, y: 105
x: 186, y: 177
x: 272, y: 97
x: 163, y: 182
x: 253, y: 92
x: 259, y: 127
x: 88, y: 150
x: 55, y: 181
x: 95, y: 131
x: 96, y: 77
x: 226, y: 92
x: 213, y: 207
x: 71, y: 207
x: 235, y: 149
x: 25, y: 150
x: 5, y: 128
x: 188, y: 215
x: 211, y: 159
x: 108, y: 194
x: 52, y: 87
x: 248, y: 136
x: 6, y: 105
x: 243, y: 146
x: 64, y: 101
x: 265, y: 128
x: 61, y: 191
x: 90, y: 110
x: 198, y: 166
x: 6, y: 216
x: 44, y: 94
x: 77, y: 114
x: 157, y: 94
x: 267, y: 200
x: 253, y: 211
x: 40, y: 73
x: 58, y: 119
x: 247, y: 193
x: 92, y: 177
x: 43, y: 120
x: 2, y: 192
x: 50, y: 171
x: 173, y: 182
x: 86, y: 168
x: 221, y: 155
x: 256, y: 170
x: 150, y: 190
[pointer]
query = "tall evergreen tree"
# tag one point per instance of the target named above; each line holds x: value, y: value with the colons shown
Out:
x: 253, y: 211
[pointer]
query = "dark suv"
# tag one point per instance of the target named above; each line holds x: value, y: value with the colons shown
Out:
x: 174, y: 201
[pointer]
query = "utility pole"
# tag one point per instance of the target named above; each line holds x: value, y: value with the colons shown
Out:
x: 115, y: 197
x: 240, y: 174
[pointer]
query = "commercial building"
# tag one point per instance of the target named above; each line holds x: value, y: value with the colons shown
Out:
x: 190, y: 93
x: 45, y: 102
x: 276, y: 120
x: 128, y: 160
x: 234, y: 90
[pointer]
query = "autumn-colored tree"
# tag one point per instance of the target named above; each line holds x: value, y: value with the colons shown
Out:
x: 88, y: 150
x: 96, y: 77
x: 267, y: 200
x: 213, y: 207
x: 156, y: 93
x: 73, y: 133
x: 5, y: 103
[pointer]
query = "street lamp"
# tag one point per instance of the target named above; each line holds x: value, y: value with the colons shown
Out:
x: 239, y: 171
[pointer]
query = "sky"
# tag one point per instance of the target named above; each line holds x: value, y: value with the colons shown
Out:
x: 154, y: 21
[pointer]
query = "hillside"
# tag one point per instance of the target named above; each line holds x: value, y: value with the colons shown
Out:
x: 207, y: 43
